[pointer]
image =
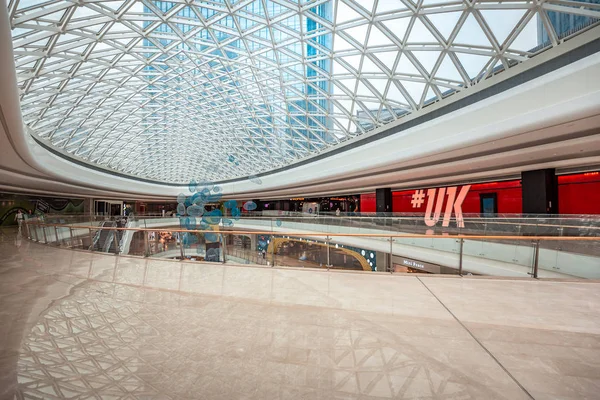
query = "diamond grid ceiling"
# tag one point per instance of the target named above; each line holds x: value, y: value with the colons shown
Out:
x: 180, y: 90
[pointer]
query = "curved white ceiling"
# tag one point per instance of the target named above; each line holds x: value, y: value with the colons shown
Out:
x: 177, y: 90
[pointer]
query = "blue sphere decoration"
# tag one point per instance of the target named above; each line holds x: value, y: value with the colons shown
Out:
x: 211, y: 237
x: 205, y: 185
x: 213, y: 217
x: 195, y: 210
x: 190, y: 223
x: 249, y: 206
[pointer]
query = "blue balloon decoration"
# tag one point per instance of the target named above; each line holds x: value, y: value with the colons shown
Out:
x: 213, y: 217
x: 181, y: 209
x: 195, y: 198
x: 192, y: 185
x: 190, y: 223
x: 208, y: 185
x: 249, y: 206
x: 188, y: 201
x: 217, y: 189
x: 204, y: 194
x: 211, y: 237
x: 227, y: 222
x: 195, y: 211
x: 278, y: 222
x: 181, y: 198
x: 231, y: 158
x: 236, y: 213
x: 189, y: 239
x: 230, y: 204
x: 204, y: 226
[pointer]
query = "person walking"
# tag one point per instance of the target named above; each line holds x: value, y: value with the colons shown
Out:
x: 19, y: 217
x: 337, y: 212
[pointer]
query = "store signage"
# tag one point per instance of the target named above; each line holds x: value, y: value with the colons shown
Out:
x: 399, y: 261
x: 413, y: 264
x: 297, y: 199
x: 447, y: 195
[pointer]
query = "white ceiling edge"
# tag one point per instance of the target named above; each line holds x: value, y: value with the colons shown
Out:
x: 559, y: 97
x: 563, y: 96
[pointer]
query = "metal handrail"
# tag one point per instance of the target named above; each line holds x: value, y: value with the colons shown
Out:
x: 325, y: 234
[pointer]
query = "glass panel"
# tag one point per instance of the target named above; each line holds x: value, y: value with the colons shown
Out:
x: 313, y: 85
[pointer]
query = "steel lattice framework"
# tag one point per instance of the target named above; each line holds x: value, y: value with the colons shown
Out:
x: 182, y: 89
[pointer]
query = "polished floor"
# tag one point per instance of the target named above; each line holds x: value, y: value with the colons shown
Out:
x: 81, y: 325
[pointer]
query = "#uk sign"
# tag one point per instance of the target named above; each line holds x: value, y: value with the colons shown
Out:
x: 451, y: 197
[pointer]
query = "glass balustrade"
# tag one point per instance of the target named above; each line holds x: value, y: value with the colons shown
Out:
x: 351, y: 243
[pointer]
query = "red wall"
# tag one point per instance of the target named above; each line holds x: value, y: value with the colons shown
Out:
x: 509, y: 198
x: 509, y: 194
x: 579, y: 193
x: 368, y: 203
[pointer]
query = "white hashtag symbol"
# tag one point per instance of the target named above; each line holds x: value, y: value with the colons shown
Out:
x: 418, y: 199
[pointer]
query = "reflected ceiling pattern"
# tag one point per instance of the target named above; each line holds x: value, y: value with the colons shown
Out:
x: 115, y: 341
x: 190, y: 89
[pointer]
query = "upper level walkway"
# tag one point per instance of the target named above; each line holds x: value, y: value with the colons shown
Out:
x: 77, y: 323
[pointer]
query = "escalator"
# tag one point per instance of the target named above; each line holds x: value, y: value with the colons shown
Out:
x: 104, y: 240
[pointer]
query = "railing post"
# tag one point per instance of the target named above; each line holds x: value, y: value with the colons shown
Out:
x: 56, y: 234
x: 35, y: 232
x: 146, y: 245
x: 536, y: 258
x: 116, y: 241
x: 272, y: 246
x: 224, y: 244
x: 181, y: 247
x: 45, y: 237
x: 391, y: 257
x: 328, y: 255
x: 460, y: 257
x: 91, y: 240
x: 71, y: 235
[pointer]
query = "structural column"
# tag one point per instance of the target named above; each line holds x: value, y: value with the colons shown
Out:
x: 88, y: 206
x: 383, y: 200
x: 540, y: 191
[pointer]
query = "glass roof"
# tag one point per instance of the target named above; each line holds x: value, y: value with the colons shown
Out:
x: 213, y: 90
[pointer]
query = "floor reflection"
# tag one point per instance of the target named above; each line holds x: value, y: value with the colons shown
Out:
x: 83, y: 325
x: 110, y: 340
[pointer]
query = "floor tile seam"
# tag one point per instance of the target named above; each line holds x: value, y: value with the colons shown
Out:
x: 478, y: 341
